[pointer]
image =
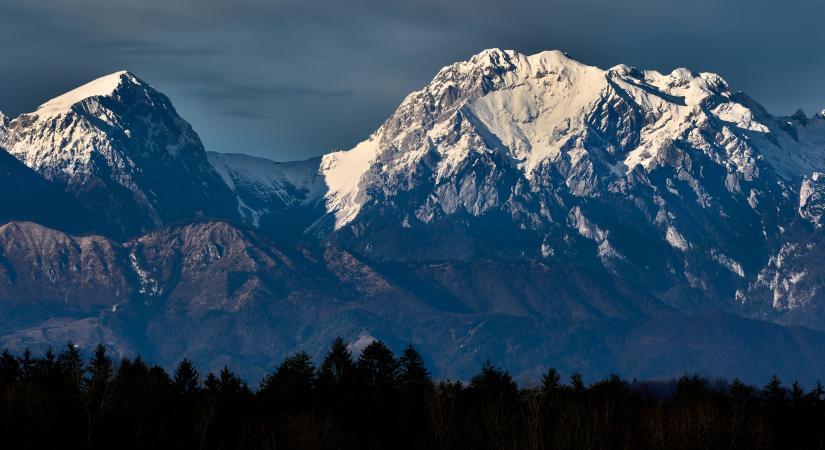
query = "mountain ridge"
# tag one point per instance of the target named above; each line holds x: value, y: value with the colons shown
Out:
x: 221, y: 295
x: 519, y: 207
x: 474, y: 163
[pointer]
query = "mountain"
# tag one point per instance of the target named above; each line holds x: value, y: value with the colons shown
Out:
x: 283, y: 198
x: 219, y: 294
x: 673, y: 181
x: 118, y: 145
x: 533, y: 210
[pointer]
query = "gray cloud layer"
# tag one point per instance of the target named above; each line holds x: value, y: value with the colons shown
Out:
x: 290, y: 79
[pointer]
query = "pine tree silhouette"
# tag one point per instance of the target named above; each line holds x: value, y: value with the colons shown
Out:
x: 377, y: 368
x: 413, y: 374
x: 186, y: 378
x: 100, y: 369
x: 383, y: 402
x: 10, y: 370
x: 292, y: 382
x: 550, y: 381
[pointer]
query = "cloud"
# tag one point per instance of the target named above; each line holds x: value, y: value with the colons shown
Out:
x: 251, y: 92
x: 150, y: 49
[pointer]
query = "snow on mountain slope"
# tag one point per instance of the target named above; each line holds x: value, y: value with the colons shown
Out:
x: 101, y: 87
x: 4, y: 123
x: 803, y: 144
x: 549, y: 110
x: 342, y: 173
x: 262, y: 185
x: 119, y: 146
x: 812, y: 198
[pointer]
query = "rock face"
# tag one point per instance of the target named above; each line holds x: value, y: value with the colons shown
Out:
x: 812, y: 199
x: 118, y: 145
x: 528, y: 209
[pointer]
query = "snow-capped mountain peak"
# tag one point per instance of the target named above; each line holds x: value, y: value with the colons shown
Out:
x: 103, y: 86
x: 118, y: 141
x: 542, y: 110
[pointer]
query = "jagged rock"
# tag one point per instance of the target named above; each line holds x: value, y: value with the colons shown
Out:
x: 812, y: 198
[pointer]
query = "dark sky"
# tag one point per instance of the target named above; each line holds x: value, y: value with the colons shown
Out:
x: 293, y: 79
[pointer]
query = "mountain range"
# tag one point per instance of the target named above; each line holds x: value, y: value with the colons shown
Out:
x: 527, y: 209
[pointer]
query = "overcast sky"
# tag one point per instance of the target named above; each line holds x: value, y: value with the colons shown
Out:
x: 292, y: 79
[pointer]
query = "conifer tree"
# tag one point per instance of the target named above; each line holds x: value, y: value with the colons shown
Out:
x: 414, y: 376
x: 576, y: 382
x: 27, y: 366
x: 774, y: 391
x: 797, y: 393
x: 46, y: 370
x: 336, y: 376
x: 550, y: 381
x: 818, y: 392
x: 491, y: 380
x: 9, y: 368
x: 739, y: 390
x: 212, y: 384
x: 100, y: 369
x: 231, y: 384
x: 98, y: 399
x: 70, y: 365
x: 292, y: 382
x: 338, y: 366
x: 377, y: 367
x: 186, y: 377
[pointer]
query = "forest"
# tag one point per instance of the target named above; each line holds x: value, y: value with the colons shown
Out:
x: 380, y: 400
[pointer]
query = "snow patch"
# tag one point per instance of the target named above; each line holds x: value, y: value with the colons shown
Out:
x: 148, y: 285
x: 358, y: 346
x: 342, y: 172
x: 676, y: 240
x: 727, y: 262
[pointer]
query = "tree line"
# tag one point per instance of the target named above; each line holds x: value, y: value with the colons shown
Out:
x: 380, y: 400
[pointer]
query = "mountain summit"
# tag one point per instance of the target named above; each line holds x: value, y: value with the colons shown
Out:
x: 102, y: 87
x: 118, y: 145
x: 546, y: 113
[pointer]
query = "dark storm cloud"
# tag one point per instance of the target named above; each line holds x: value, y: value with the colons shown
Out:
x: 244, y: 101
x: 239, y: 92
x: 139, y: 48
x: 289, y: 79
